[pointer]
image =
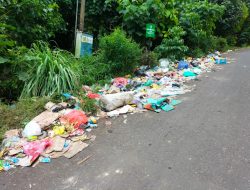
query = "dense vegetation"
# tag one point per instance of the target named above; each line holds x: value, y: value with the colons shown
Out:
x: 32, y: 62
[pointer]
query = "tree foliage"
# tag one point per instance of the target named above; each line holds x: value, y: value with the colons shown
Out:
x: 33, y: 20
x: 199, y: 19
x: 136, y: 14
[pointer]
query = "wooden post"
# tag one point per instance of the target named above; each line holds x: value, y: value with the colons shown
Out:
x: 82, y: 14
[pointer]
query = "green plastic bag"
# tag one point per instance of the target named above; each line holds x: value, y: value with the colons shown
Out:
x: 189, y: 74
x: 148, y: 83
x: 175, y: 102
x: 167, y: 108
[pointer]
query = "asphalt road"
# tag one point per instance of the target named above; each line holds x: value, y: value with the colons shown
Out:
x: 202, y: 145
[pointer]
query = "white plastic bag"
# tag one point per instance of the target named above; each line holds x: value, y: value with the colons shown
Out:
x: 164, y: 63
x: 32, y: 129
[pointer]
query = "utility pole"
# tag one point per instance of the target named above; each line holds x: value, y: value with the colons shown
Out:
x: 82, y: 14
x: 83, y: 42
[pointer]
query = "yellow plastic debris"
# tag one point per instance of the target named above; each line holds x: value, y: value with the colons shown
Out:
x: 59, y: 130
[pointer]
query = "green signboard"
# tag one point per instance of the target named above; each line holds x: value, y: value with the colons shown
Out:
x: 150, y: 30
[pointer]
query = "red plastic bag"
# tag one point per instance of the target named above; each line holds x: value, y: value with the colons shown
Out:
x: 34, y: 149
x: 120, y: 82
x: 93, y: 96
x: 75, y: 117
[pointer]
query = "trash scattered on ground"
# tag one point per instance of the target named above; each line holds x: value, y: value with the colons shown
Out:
x: 64, y: 129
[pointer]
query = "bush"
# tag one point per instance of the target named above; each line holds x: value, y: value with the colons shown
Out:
x: 220, y: 44
x: 244, y: 38
x: 197, y: 52
x: 89, y: 105
x: 172, y: 46
x: 232, y: 40
x: 149, y: 58
x: 48, y: 71
x: 10, y: 85
x: 93, y: 70
x: 119, y: 52
x: 207, y: 43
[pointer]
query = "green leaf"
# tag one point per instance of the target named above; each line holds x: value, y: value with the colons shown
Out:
x: 3, y: 60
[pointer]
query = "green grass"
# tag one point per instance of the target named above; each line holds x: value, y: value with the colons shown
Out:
x: 19, y: 114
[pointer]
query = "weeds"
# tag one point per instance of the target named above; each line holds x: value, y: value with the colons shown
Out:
x: 19, y: 114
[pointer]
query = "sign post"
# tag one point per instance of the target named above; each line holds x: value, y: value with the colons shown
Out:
x: 150, y: 34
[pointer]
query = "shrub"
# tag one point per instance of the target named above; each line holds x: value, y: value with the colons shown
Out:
x: 210, y: 44
x: 244, y: 38
x: 119, y: 52
x: 48, y: 71
x: 221, y: 44
x: 10, y: 85
x: 232, y: 40
x: 172, y: 46
x: 89, y: 105
x: 197, y: 52
x: 149, y: 58
x: 93, y: 70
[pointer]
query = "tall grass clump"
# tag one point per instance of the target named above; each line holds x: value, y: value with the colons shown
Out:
x: 48, y: 71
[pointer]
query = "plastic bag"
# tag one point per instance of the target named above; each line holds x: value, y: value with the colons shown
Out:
x: 164, y: 63
x: 75, y: 117
x: 189, y: 74
x: 112, y: 101
x: 182, y: 65
x: 120, y: 82
x: 93, y: 95
x: 148, y: 83
x: 34, y: 149
x: 221, y: 61
x: 32, y: 129
x: 59, y: 130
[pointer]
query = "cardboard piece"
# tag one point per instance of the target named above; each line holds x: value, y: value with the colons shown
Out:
x: 46, y: 118
x: 75, y: 148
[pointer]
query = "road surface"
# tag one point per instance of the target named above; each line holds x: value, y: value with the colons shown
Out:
x: 202, y: 145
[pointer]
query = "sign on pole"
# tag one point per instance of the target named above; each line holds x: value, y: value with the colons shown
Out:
x: 84, y: 44
x: 150, y: 30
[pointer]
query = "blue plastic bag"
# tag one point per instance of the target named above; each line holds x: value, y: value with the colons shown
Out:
x: 221, y: 61
x: 182, y: 65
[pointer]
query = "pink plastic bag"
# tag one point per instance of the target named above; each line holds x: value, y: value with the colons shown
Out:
x: 120, y: 82
x: 75, y: 117
x: 34, y: 149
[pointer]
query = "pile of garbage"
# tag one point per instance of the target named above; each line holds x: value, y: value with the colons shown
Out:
x: 58, y: 131
x: 63, y: 129
x: 154, y: 89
